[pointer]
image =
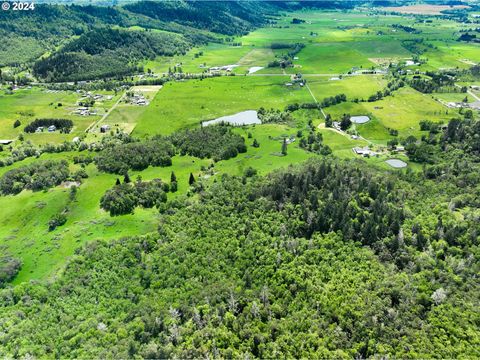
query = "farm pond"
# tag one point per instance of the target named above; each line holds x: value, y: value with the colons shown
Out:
x: 248, y: 117
x: 396, y: 163
x: 362, y: 119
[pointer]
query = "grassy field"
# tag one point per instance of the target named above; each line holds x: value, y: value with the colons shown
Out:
x: 185, y: 104
x: 329, y: 58
x: 201, y: 57
x: 403, y: 112
x: 361, y: 86
x: 27, y: 105
x: 124, y: 115
x: 24, y: 220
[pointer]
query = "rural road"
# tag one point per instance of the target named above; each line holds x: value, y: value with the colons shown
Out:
x: 473, y: 95
x: 315, y: 99
x: 105, y: 115
x: 469, y: 93
x: 322, y: 126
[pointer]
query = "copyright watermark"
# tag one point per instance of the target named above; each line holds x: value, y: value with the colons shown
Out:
x: 18, y: 5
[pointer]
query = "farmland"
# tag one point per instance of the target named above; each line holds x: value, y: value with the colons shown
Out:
x: 338, y: 48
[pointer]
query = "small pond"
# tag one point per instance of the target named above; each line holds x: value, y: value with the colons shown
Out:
x: 248, y: 117
x: 396, y: 163
x: 360, y: 119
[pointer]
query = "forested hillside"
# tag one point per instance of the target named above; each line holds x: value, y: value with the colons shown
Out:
x: 32, y: 33
x: 330, y: 259
x: 106, y: 53
x: 228, y: 17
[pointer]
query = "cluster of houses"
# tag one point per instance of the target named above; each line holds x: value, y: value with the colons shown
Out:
x: 138, y: 99
x: 91, y: 96
x: 457, y: 105
x: 84, y: 111
x: 295, y: 79
x: 368, y: 152
x: 364, y: 151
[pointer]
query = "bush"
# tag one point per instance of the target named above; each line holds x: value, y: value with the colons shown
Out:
x: 57, y: 220
x: 124, y: 198
x: 37, y: 176
x: 135, y: 156
x: 9, y: 268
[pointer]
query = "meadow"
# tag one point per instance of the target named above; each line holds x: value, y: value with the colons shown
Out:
x: 354, y: 87
x: 24, y: 219
x: 185, y: 104
x: 401, y: 111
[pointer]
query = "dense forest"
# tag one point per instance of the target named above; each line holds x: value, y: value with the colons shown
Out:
x: 106, y: 53
x: 328, y: 259
x: 214, y: 142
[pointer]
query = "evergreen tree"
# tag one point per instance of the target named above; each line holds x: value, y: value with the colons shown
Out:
x: 173, y: 177
x: 191, y: 180
x: 346, y: 122
x: 255, y: 143
x: 328, y: 120
x: 126, y: 178
x: 284, y: 146
x: 117, y: 182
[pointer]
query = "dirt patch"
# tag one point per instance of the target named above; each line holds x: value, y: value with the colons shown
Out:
x: 382, y: 61
x: 69, y: 184
x: 147, y: 88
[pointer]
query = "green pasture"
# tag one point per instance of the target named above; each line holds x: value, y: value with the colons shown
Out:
x: 124, y: 115
x: 402, y: 111
x: 267, y: 157
x: 358, y: 86
x: 446, y: 55
x: 213, y: 54
x: 24, y: 218
x: 329, y: 58
x: 185, y: 104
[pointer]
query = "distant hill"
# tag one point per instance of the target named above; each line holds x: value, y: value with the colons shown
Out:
x: 72, y: 42
x: 77, y: 38
x: 107, y: 53
x: 228, y: 17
